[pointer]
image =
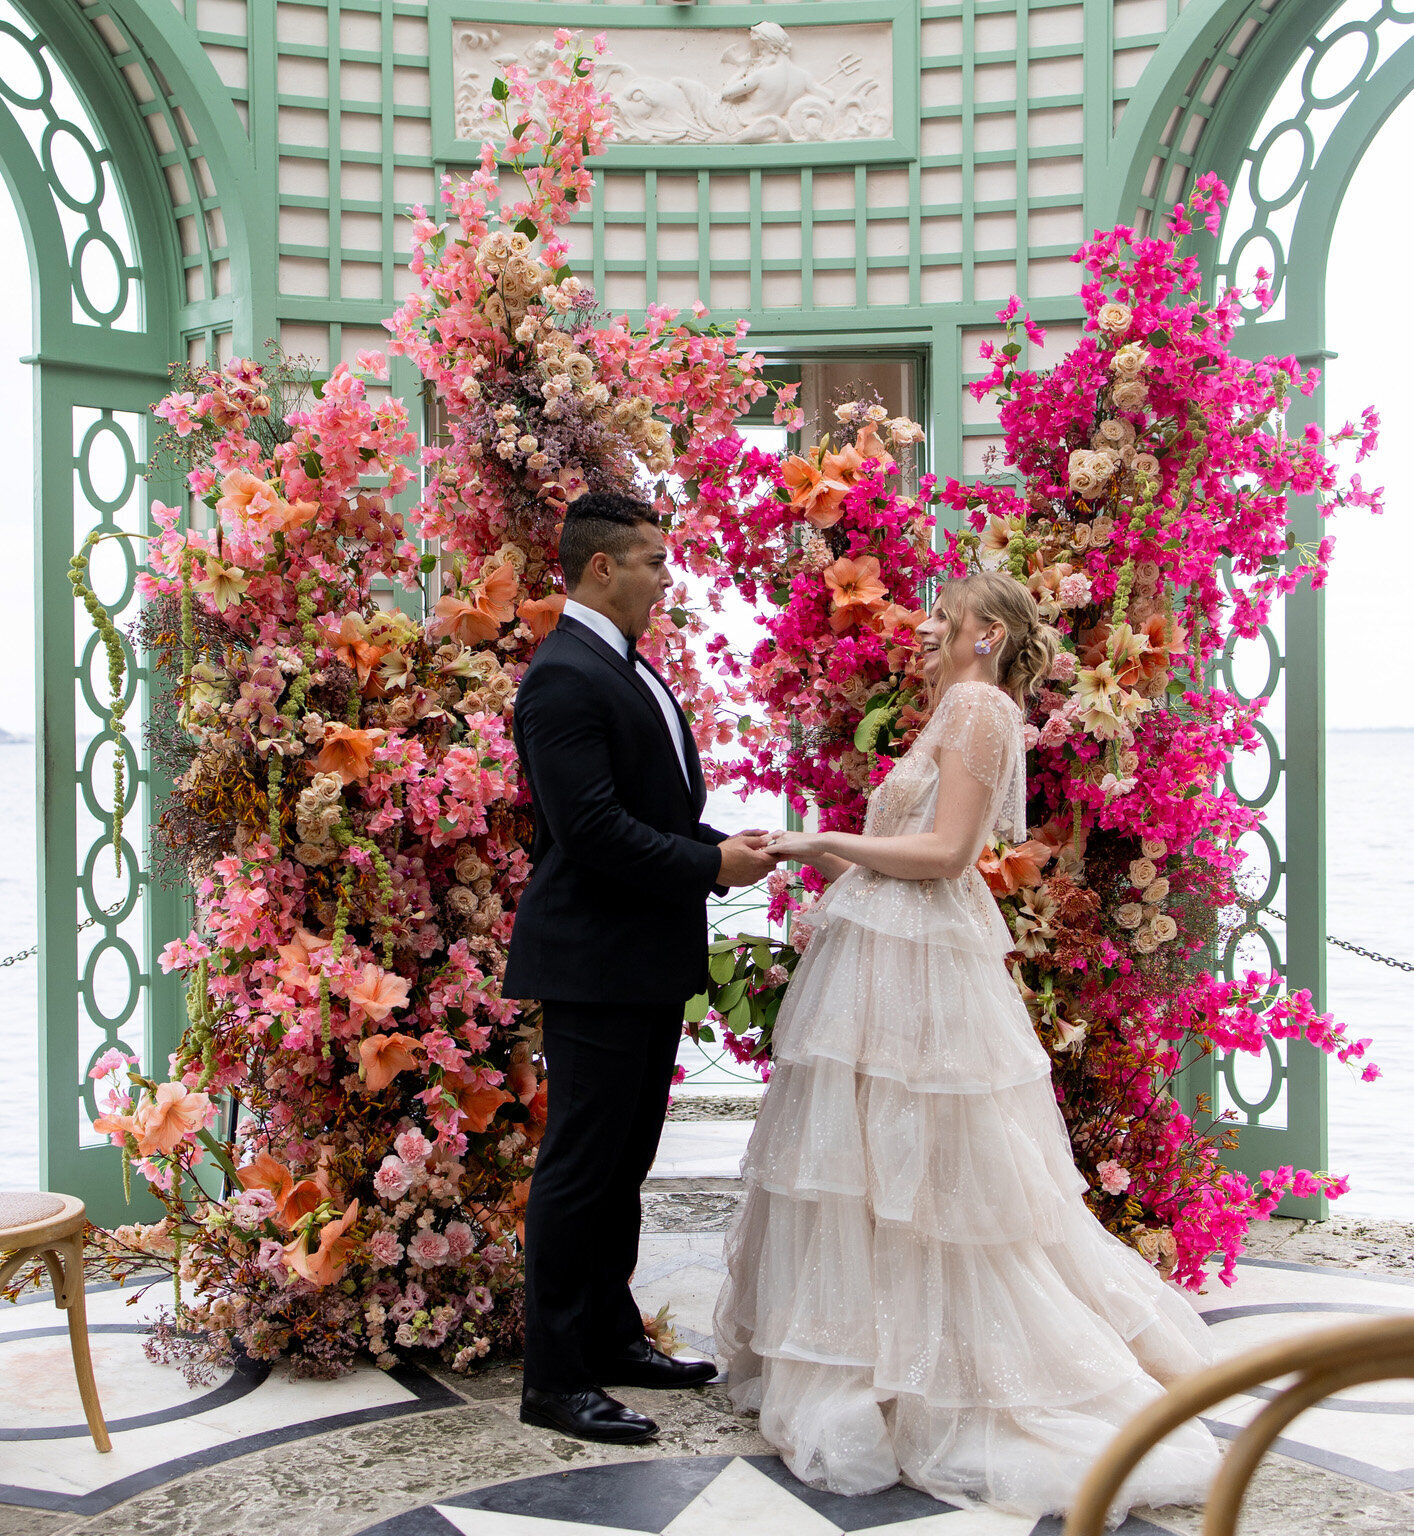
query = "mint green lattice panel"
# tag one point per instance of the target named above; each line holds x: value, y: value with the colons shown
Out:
x: 111, y: 974
x: 1278, y: 170
x: 99, y: 248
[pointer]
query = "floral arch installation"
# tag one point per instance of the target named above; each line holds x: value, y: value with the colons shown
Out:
x: 260, y: 157
x: 1281, y: 101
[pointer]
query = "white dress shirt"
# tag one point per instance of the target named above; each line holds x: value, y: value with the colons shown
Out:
x: 611, y: 634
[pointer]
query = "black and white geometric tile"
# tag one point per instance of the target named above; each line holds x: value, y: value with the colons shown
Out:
x: 703, y: 1496
x: 161, y: 1428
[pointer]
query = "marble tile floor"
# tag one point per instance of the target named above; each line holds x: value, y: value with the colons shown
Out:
x: 416, y: 1453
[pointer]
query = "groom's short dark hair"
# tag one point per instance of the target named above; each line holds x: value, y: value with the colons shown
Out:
x: 606, y: 521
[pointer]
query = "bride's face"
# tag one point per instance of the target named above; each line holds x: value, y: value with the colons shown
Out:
x: 939, y: 636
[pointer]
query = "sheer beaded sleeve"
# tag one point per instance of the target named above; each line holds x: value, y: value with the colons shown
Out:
x: 983, y: 726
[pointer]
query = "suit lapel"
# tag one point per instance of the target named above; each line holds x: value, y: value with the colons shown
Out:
x: 629, y: 673
x: 696, y: 783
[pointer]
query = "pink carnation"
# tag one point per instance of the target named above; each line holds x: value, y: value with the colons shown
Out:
x: 1114, y: 1179
x: 428, y: 1249
x: 393, y: 1179
x: 413, y: 1147
x: 460, y: 1241
x: 385, y: 1248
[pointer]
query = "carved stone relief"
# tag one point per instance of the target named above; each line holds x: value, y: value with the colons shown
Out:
x: 766, y: 86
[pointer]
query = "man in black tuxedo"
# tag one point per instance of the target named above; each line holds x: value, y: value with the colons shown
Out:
x: 611, y: 936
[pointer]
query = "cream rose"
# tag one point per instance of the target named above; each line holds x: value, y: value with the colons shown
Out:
x: 1146, y: 464
x: 579, y: 367
x: 1142, y: 873
x: 1130, y: 915
x: 1165, y: 929
x: 1152, y: 848
x: 1145, y: 942
x: 1114, y: 318
x: 1130, y: 360
x: 1130, y: 396
x: 1113, y: 433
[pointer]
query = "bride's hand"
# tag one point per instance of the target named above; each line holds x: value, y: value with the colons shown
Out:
x: 802, y: 846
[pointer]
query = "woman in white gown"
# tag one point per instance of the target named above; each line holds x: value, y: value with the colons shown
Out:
x: 916, y: 1288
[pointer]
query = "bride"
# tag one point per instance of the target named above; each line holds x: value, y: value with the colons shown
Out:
x: 916, y: 1288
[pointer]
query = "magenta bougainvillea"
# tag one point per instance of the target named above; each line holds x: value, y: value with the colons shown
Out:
x: 1146, y: 509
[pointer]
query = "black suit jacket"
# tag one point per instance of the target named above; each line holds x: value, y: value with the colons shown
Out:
x: 615, y: 910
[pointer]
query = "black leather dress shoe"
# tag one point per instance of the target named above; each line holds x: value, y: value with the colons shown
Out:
x: 590, y: 1415
x: 643, y: 1366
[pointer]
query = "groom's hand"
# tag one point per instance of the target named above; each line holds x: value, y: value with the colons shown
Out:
x: 745, y: 859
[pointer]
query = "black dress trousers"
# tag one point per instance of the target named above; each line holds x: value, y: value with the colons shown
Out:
x: 610, y: 1070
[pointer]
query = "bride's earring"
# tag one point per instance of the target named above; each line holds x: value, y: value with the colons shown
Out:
x: 982, y: 647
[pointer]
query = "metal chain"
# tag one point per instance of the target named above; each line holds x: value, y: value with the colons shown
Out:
x: 33, y: 950
x: 1354, y: 949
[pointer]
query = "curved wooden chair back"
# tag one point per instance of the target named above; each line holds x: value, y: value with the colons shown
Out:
x: 1322, y: 1363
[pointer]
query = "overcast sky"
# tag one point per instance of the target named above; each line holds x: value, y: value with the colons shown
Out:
x: 1371, y: 326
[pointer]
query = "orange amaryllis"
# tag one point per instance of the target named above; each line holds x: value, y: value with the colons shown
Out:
x: 382, y: 1057
x: 297, y: 956
x: 478, y: 1101
x: 894, y: 616
x: 541, y: 614
x: 353, y: 647
x: 176, y: 1113
x: 326, y: 1265
x: 348, y: 751
x: 378, y: 992
x: 492, y: 604
x: 1008, y: 870
x: 292, y: 1200
x: 814, y: 493
x: 847, y: 463
x: 247, y: 499
x: 856, y: 593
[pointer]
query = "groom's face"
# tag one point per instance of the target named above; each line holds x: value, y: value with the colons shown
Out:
x: 639, y: 580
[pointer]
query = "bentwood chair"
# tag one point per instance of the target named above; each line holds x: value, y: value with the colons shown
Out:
x: 51, y: 1227
x: 1323, y: 1363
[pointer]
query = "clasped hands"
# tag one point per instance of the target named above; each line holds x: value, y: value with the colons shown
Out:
x: 750, y: 856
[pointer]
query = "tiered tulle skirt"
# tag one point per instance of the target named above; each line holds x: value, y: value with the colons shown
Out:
x: 917, y: 1289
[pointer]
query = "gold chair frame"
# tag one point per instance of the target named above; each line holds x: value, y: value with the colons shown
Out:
x: 1323, y: 1363
x: 58, y: 1240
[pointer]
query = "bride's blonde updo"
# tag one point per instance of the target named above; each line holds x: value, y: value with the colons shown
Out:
x: 996, y: 598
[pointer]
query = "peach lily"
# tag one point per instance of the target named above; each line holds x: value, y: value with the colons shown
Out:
x: 378, y: 992
x: 382, y: 1057
x: 541, y: 614
x: 326, y: 1265
x: 292, y: 1200
x: 176, y: 1113
x: 814, y: 493
x: 1008, y: 870
x: 491, y: 605
x: 348, y: 751
x: 856, y: 593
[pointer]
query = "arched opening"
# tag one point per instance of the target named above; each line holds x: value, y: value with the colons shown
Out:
x: 19, y: 1031
x: 1369, y: 708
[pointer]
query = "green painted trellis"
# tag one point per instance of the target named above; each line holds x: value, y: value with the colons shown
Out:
x: 261, y: 152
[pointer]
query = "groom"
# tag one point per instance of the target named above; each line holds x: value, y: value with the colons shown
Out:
x: 611, y: 936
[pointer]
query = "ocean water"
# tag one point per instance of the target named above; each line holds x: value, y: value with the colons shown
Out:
x: 1370, y: 897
